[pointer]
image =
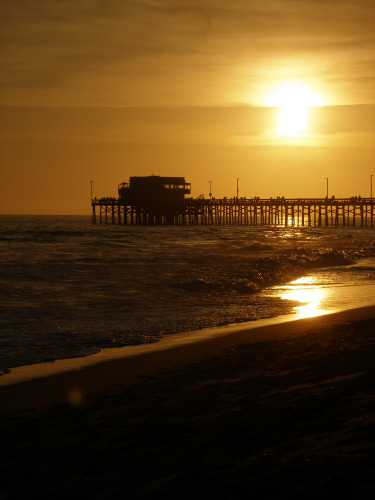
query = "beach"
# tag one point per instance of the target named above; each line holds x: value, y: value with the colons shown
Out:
x: 285, y: 409
x: 187, y: 251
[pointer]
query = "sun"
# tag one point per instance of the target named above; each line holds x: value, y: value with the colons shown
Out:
x: 294, y: 100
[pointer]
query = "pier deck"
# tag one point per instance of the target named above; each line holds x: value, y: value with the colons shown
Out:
x: 355, y: 211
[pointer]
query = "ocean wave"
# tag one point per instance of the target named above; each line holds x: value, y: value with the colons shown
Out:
x: 325, y: 258
x: 41, y: 236
x: 209, y: 286
x: 254, y: 274
x: 254, y: 247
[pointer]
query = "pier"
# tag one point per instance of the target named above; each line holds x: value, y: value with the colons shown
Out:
x: 162, y: 200
x: 317, y: 212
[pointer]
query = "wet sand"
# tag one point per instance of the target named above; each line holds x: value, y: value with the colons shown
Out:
x: 285, y: 409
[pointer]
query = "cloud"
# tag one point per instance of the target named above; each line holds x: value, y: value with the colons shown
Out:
x: 331, y: 120
x: 68, y: 37
x: 76, y: 52
x: 134, y: 125
x: 183, y: 125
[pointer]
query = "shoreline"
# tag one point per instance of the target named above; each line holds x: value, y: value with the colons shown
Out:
x: 24, y: 373
x: 334, y: 300
x: 78, y: 379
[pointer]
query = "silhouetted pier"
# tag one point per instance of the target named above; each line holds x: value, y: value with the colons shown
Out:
x: 319, y: 212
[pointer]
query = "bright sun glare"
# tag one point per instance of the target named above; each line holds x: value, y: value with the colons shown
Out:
x: 294, y: 100
x: 309, y: 293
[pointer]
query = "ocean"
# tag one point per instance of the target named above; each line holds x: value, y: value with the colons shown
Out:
x: 69, y: 288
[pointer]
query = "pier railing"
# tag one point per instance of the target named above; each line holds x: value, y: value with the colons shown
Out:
x: 239, y: 211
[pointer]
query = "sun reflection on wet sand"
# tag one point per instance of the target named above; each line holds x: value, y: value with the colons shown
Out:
x: 311, y: 295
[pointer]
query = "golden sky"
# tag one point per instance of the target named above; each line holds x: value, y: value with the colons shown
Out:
x: 106, y: 89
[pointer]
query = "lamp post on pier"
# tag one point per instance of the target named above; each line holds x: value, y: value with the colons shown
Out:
x: 371, y: 176
x: 326, y: 178
x: 210, y: 193
x: 91, y: 182
x: 237, y: 186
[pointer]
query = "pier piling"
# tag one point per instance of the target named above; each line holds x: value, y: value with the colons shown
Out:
x: 319, y: 212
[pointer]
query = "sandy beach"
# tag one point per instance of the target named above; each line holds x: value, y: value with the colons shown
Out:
x: 286, y: 409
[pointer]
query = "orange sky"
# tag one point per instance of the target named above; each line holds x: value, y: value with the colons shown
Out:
x: 103, y: 90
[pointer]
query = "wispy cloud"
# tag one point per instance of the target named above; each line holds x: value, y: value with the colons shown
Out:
x: 177, y: 51
x: 231, y: 125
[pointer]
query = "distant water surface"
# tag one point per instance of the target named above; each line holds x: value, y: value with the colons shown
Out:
x: 69, y: 288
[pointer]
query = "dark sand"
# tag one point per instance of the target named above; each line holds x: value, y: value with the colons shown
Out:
x: 291, y: 415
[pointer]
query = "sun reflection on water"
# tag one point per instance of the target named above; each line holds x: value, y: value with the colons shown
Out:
x: 309, y: 293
